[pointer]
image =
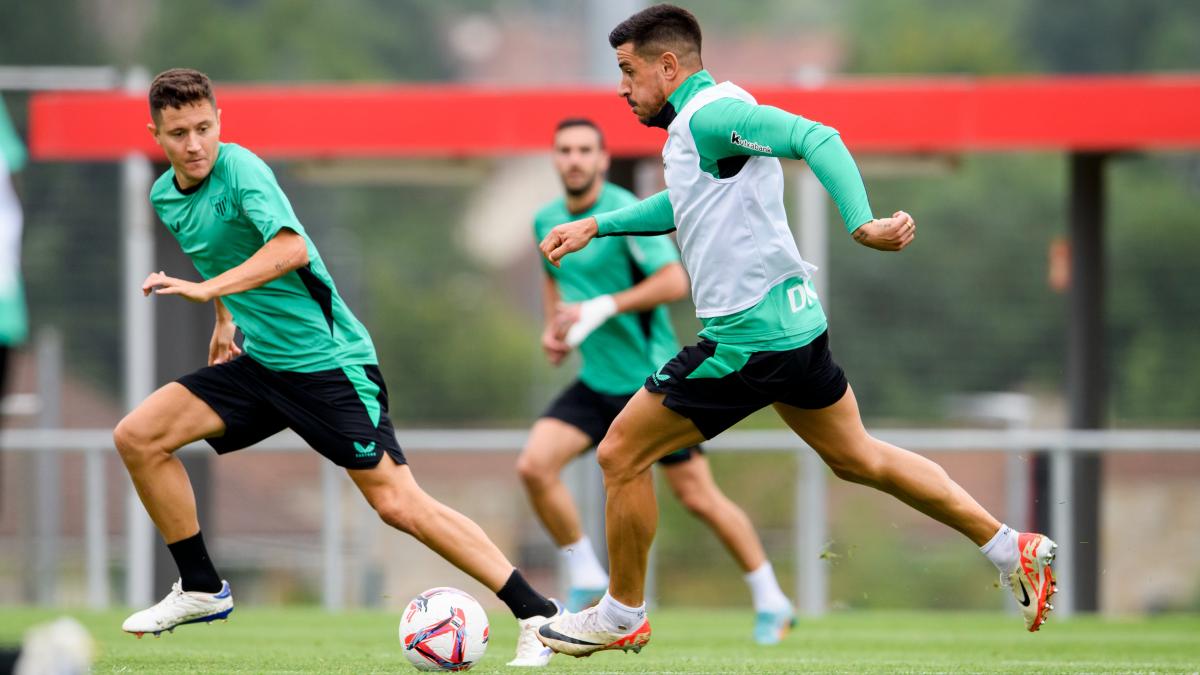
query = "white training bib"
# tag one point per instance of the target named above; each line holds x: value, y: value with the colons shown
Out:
x: 733, y: 232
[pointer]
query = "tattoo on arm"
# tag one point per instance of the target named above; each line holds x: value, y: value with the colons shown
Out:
x: 860, y: 235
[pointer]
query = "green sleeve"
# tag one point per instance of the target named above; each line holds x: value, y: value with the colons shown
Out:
x: 11, y: 147
x: 650, y: 216
x: 730, y: 127
x: 260, y: 197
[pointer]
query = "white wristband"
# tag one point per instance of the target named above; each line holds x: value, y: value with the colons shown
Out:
x: 592, y: 313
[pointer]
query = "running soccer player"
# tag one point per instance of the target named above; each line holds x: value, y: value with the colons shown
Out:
x: 615, y: 314
x: 764, y: 340
x: 308, y: 364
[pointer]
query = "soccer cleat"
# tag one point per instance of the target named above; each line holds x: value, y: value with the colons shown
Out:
x: 181, y: 607
x: 580, y: 598
x: 531, y: 653
x: 1032, y: 579
x: 770, y: 627
x: 582, y: 634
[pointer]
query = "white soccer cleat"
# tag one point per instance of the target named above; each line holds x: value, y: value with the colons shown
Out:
x: 1032, y: 579
x: 181, y: 607
x: 582, y: 634
x: 531, y: 653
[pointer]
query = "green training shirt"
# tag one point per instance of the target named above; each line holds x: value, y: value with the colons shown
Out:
x: 297, y: 322
x: 725, y: 132
x: 623, y: 351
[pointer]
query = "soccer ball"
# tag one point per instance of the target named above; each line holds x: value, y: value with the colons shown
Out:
x: 443, y: 629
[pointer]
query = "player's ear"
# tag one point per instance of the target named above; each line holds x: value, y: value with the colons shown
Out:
x: 153, y: 129
x: 668, y: 65
x: 604, y: 161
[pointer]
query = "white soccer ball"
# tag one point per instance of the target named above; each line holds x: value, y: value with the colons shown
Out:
x: 443, y: 629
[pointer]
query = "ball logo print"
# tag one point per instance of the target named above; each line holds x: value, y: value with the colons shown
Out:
x: 444, y: 629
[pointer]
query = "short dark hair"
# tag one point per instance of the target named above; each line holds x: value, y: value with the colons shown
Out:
x: 659, y: 28
x: 581, y: 122
x: 178, y: 87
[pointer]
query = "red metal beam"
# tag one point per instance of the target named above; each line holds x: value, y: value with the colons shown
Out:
x: 897, y: 115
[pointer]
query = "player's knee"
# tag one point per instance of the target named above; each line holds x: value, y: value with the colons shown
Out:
x: 133, y: 443
x: 613, y: 456
x: 534, y: 471
x: 866, y: 468
x: 693, y: 497
x: 393, y: 511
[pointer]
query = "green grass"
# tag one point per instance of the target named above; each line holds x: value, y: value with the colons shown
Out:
x: 305, y: 640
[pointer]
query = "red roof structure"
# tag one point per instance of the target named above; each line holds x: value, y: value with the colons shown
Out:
x: 940, y: 115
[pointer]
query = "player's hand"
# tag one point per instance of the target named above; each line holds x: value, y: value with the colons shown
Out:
x: 556, y: 350
x: 222, y: 348
x: 159, y: 283
x: 567, y: 238
x: 577, y: 321
x: 887, y: 234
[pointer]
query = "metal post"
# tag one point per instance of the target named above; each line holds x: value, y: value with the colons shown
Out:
x: 333, y: 589
x: 1087, y: 381
x: 1061, y: 483
x: 602, y: 17
x: 47, y: 515
x: 812, y: 521
x: 812, y: 574
x: 138, y: 341
x: 95, y: 528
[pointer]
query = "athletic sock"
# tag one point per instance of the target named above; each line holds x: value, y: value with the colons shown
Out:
x: 583, y: 567
x: 196, y: 571
x: 617, y: 617
x: 765, y: 591
x: 522, y: 600
x: 1001, y: 549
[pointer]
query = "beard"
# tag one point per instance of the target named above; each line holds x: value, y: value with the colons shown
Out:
x: 581, y: 189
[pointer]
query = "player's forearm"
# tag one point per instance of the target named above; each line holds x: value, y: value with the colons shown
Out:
x: 284, y: 253
x: 832, y: 164
x: 668, y: 284
x: 550, y: 299
x: 651, y: 216
x: 222, y: 312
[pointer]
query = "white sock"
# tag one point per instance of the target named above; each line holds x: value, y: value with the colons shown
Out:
x: 765, y: 590
x: 583, y: 567
x: 1001, y: 549
x: 617, y: 617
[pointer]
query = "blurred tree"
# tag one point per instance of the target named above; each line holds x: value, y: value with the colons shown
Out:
x: 300, y: 40
x: 1097, y: 36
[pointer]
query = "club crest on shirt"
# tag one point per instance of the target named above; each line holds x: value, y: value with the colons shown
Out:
x: 222, y: 205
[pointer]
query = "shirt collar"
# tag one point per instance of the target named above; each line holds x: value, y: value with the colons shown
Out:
x: 695, y: 82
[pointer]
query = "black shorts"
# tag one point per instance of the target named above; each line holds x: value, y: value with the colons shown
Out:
x: 341, y: 413
x: 805, y: 377
x: 592, y: 413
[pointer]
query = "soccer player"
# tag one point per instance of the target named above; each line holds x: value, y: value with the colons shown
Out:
x: 764, y: 340
x: 308, y: 364
x: 13, y: 320
x: 615, y: 314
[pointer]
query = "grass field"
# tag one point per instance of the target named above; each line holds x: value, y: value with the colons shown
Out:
x: 310, y: 641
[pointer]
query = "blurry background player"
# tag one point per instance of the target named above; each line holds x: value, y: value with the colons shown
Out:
x: 765, y: 339
x: 61, y: 646
x: 609, y: 301
x: 13, y: 324
x: 309, y: 365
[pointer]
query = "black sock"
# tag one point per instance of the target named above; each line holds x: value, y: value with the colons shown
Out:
x: 523, y: 600
x: 195, y: 569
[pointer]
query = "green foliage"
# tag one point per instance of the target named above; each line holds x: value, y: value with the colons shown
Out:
x: 300, y: 40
